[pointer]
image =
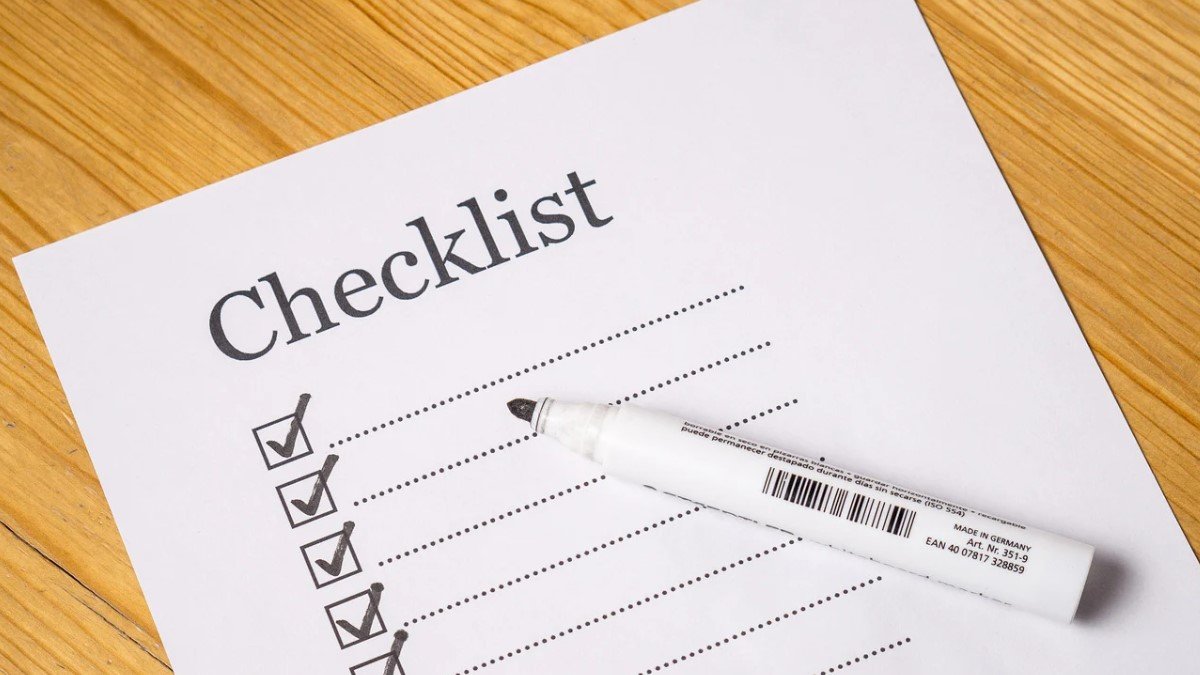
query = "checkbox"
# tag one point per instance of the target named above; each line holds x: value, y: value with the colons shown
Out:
x: 384, y: 664
x: 284, y: 440
x: 332, y: 558
x: 307, y: 498
x: 357, y: 618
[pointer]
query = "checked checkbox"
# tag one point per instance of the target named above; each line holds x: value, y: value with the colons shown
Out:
x: 357, y: 618
x: 385, y: 664
x: 307, y: 498
x: 284, y: 440
x: 332, y: 558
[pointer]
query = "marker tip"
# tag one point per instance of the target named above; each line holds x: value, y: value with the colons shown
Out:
x: 522, y: 408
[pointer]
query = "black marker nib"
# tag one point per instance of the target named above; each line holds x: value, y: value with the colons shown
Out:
x: 522, y: 408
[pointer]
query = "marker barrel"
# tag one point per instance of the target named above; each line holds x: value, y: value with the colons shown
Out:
x: 1021, y: 566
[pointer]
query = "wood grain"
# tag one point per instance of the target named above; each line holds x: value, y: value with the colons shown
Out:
x: 1092, y: 108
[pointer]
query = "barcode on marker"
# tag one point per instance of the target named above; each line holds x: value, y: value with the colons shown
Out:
x: 835, y: 501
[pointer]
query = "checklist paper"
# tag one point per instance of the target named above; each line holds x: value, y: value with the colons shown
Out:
x: 776, y: 218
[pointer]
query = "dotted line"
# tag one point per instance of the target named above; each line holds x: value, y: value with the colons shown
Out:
x: 683, y: 376
x: 517, y: 441
x: 858, y: 659
x: 552, y: 566
x: 769, y: 622
x: 542, y: 364
x: 449, y: 467
x: 494, y: 519
x: 764, y: 413
x: 621, y: 610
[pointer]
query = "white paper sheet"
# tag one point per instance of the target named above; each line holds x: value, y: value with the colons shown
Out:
x: 809, y: 242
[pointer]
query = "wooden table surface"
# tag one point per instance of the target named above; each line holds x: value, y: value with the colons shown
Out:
x: 1092, y: 108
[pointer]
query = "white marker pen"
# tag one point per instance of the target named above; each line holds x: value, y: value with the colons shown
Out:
x: 1017, y: 565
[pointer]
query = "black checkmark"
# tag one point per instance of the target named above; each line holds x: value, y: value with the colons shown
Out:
x: 334, y: 566
x: 310, y: 507
x: 393, y: 661
x: 363, y: 630
x: 288, y: 446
